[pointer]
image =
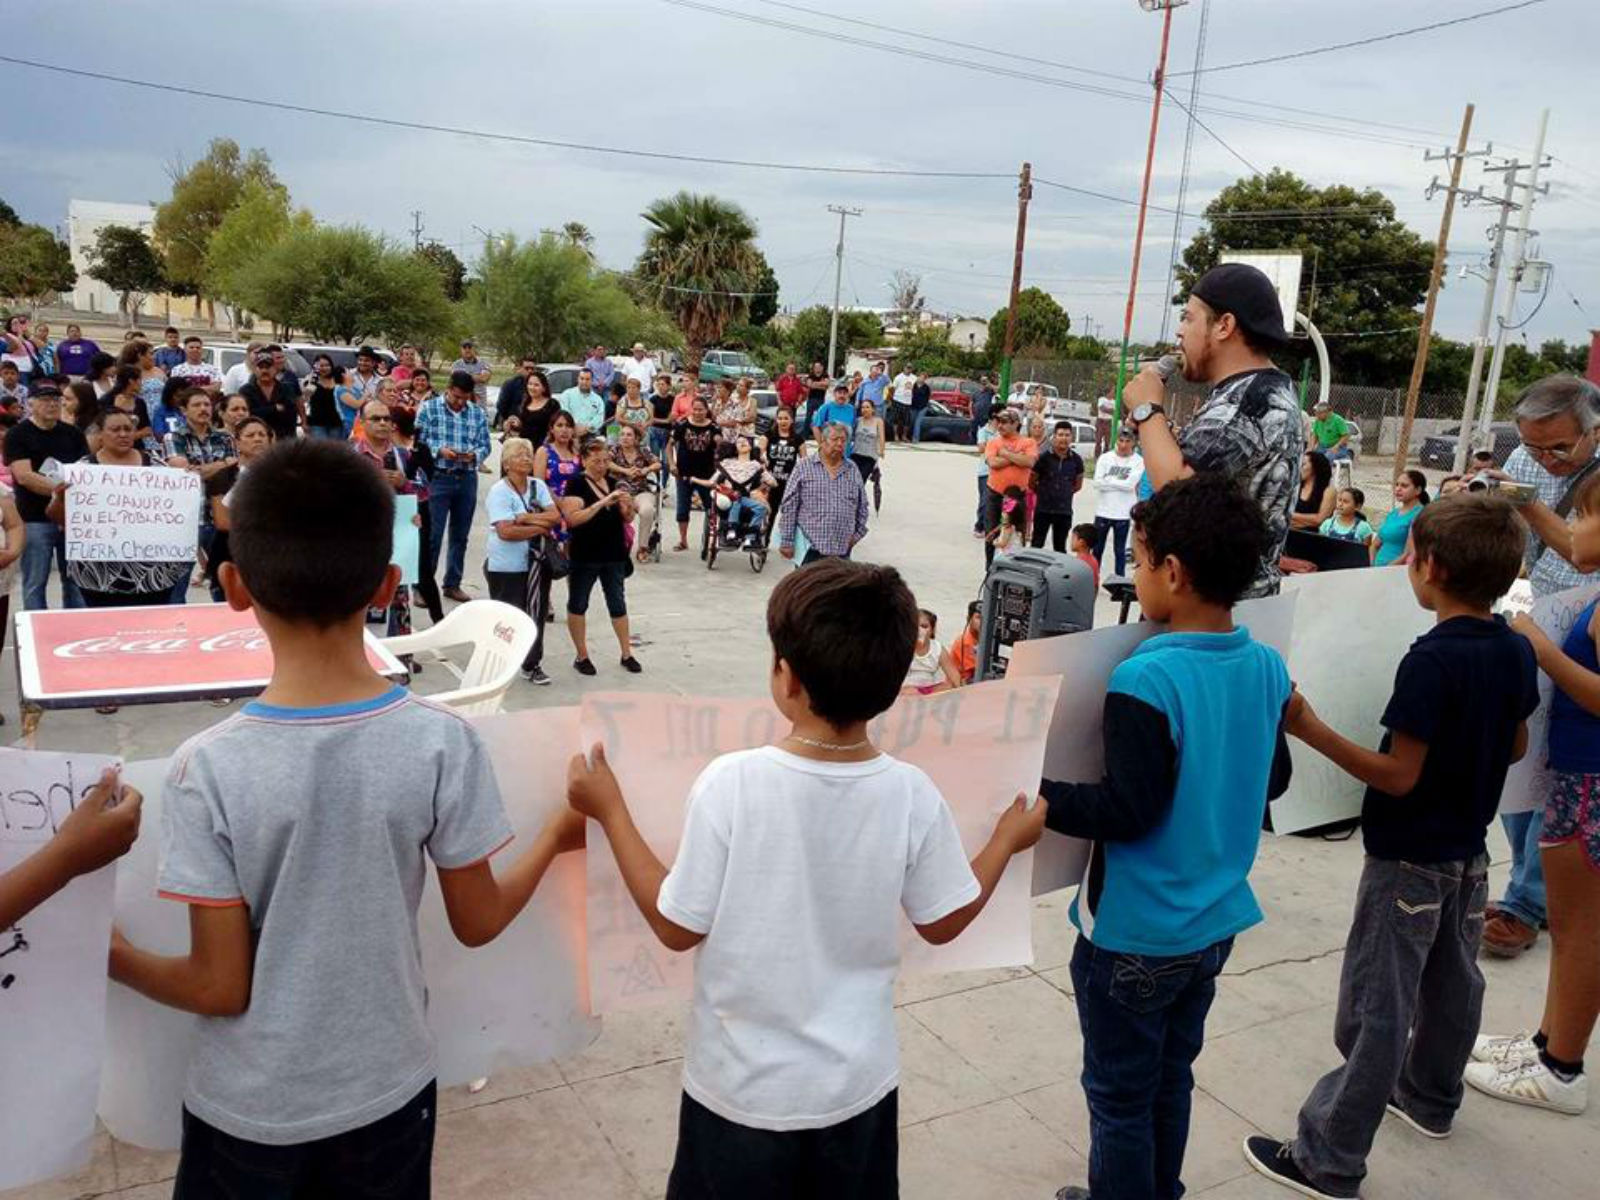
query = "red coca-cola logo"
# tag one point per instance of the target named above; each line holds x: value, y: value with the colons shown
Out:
x: 504, y: 632
x: 162, y: 642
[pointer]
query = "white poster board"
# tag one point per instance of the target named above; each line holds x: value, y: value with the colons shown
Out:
x: 1075, y: 752
x: 1528, y: 781
x: 52, y: 978
x: 131, y: 514
x: 1283, y: 267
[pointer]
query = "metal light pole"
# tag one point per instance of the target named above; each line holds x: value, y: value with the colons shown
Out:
x: 1165, y: 7
x: 838, y: 282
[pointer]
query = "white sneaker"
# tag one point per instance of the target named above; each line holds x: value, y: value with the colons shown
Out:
x: 1497, y: 1050
x: 1531, y: 1083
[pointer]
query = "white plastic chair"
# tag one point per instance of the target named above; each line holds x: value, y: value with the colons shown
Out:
x: 500, y: 636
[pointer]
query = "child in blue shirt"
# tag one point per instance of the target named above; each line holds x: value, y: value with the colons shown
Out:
x: 1194, y: 749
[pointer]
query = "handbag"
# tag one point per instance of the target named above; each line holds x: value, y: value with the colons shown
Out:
x: 550, y: 552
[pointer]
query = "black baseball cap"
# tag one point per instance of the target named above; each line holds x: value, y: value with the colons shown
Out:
x: 1248, y: 294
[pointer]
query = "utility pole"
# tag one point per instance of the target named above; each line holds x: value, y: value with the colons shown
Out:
x: 1024, y: 194
x: 838, y: 282
x: 1441, y: 251
x: 1166, y: 7
x: 1188, y: 160
x: 416, y: 229
x: 1480, y: 341
x: 1519, y: 265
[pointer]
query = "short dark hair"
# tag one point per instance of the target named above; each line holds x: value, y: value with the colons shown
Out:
x: 847, y: 631
x: 193, y: 339
x: 189, y: 393
x: 1086, y: 532
x: 1213, y: 527
x: 298, y: 565
x: 461, y: 381
x: 169, y: 329
x: 1477, y: 540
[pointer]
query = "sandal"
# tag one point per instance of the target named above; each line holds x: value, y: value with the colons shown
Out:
x: 680, y: 546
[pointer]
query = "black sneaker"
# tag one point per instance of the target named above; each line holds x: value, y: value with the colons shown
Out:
x: 1073, y: 1192
x: 630, y: 665
x: 583, y: 666
x: 1275, y: 1160
x: 1428, y: 1130
x: 537, y: 676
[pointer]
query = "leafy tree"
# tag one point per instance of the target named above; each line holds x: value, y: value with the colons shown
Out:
x: 257, y: 222
x: 577, y: 234
x: 202, y: 196
x: 807, y: 339
x: 8, y: 215
x: 124, y: 260
x: 34, y: 266
x: 764, y: 304
x: 347, y: 284
x: 1043, y: 328
x: 1370, y: 271
x: 450, y: 267
x: 699, y: 257
x: 546, y: 298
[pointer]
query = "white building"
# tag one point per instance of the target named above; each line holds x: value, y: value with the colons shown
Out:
x: 969, y: 333
x: 85, y: 220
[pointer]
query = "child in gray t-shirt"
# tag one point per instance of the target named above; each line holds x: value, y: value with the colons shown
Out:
x: 296, y: 832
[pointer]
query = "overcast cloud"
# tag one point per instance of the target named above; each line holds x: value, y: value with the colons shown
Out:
x: 652, y: 75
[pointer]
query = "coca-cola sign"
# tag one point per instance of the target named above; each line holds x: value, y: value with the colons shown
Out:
x: 152, y: 642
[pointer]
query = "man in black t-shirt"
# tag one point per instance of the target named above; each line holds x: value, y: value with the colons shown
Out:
x: 272, y: 398
x: 816, y: 391
x: 39, y: 439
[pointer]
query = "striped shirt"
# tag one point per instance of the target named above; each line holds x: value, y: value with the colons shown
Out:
x: 466, y: 431
x: 1548, y: 572
x: 830, y: 507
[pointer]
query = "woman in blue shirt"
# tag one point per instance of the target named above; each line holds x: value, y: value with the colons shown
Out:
x: 1388, y: 545
x: 522, y: 513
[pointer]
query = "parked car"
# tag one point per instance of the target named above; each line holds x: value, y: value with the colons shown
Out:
x: 731, y: 364
x: 1439, y: 449
x: 941, y: 424
x: 560, y: 376
x: 344, y: 357
x: 224, y: 355
x: 955, y: 394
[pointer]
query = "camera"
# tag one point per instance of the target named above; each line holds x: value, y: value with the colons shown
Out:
x: 1517, y: 493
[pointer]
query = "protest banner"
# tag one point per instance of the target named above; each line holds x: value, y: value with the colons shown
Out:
x: 980, y: 745
x: 517, y: 1001
x: 52, y: 978
x: 407, y: 552
x: 1529, y: 779
x: 131, y: 514
x: 1075, y: 751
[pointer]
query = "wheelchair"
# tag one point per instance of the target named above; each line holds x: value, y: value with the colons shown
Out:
x: 715, y: 539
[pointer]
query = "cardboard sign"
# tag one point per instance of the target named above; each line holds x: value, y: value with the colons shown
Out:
x: 132, y: 514
x: 407, y: 552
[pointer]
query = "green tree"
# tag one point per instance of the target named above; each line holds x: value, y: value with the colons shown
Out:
x: 8, y: 215
x: 347, y: 284
x: 257, y: 222
x: 764, y: 304
x: 452, y: 271
x: 807, y: 339
x: 202, y: 196
x: 34, y: 266
x: 577, y: 234
x: 699, y: 258
x: 1369, y: 270
x: 546, y: 298
x: 124, y: 259
x: 1043, y: 328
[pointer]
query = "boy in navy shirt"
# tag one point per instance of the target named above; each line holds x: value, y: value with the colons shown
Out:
x: 1194, y: 748
x: 1410, y: 993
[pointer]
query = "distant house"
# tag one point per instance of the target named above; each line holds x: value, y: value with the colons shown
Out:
x: 85, y: 220
x: 968, y: 333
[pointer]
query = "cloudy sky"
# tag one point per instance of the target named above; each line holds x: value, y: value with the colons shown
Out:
x: 686, y: 77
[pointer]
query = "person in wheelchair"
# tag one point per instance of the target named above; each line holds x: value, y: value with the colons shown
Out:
x: 743, y: 479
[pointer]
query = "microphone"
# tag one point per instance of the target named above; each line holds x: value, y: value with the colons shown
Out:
x: 1167, y: 367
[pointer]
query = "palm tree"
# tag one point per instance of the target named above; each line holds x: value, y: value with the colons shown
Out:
x: 699, y: 257
x: 577, y: 233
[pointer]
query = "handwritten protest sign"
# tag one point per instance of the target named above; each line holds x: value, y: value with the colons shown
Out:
x: 520, y: 1000
x: 1076, y: 750
x: 980, y: 745
x: 52, y: 979
x: 407, y: 552
x: 131, y: 514
x: 1528, y: 782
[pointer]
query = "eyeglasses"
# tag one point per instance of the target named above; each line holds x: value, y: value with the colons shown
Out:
x: 375, y: 418
x: 1563, y: 453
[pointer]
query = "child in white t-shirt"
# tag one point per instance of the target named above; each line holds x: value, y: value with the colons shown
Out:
x: 932, y: 669
x: 796, y: 862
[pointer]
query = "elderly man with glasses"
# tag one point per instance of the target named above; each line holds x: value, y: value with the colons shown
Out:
x: 1558, y: 419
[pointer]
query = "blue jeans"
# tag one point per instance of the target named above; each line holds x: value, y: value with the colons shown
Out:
x: 916, y: 422
x: 1143, y: 1020
x: 983, y: 501
x: 1118, y: 531
x: 45, y: 541
x: 452, y: 499
x: 658, y: 447
x: 329, y: 434
x: 746, y: 508
x: 1524, y: 898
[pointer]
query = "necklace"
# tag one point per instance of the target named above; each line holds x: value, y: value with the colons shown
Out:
x: 816, y: 745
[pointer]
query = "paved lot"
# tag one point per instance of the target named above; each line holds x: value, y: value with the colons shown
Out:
x: 990, y: 1104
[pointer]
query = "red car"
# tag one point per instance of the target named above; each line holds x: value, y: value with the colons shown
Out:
x: 955, y: 394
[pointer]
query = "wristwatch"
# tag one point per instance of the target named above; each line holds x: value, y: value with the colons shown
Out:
x: 1143, y: 413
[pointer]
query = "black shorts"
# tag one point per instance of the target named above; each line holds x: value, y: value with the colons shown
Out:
x: 392, y: 1158
x: 580, y: 583
x: 717, y: 1159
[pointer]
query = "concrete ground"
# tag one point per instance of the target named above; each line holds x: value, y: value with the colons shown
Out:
x: 991, y: 1106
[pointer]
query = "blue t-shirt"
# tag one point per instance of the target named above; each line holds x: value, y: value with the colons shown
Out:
x: 167, y: 357
x: 872, y: 388
x: 1392, y: 535
x: 505, y: 504
x: 1194, y: 748
x: 835, y: 413
x: 1574, y: 730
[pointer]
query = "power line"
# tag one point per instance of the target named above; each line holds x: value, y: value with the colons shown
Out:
x: 1368, y: 41
x: 489, y: 135
x: 1215, y: 136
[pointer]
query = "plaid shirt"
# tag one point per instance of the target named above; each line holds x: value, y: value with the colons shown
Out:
x: 443, y: 428
x: 1548, y: 572
x: 216, y: 446
x: 831, y: 509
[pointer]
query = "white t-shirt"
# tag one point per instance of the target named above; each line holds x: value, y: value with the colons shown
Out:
x: 797, y: 872
x: 1116, y: 485
x: 203, y: 373
x: 925, y: 670
x: 903, y: 383
x: 235, y: 377
x: 642, y: 369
